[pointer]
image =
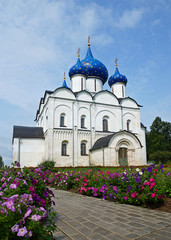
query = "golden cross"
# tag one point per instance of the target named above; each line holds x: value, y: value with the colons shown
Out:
x: 116, y: 61
x: 88, y: 40
x: 78, y: 52
x: 64, y: 75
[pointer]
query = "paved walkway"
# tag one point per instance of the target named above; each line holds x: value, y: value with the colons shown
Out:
x: 80, y: 217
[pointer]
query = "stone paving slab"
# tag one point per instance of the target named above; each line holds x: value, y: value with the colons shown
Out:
x: 86, y: 218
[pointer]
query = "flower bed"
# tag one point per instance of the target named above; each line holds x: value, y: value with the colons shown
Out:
x: 148, y: 186
x: 25, y: 204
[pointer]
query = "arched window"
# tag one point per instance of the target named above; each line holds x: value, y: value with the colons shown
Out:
x: 95, y: 85
x: 64, y: 149
x: 128, y: 125
x: 105, y: 125
x: 83, y: 148
x: 83, y: 121
x: 62, y: 120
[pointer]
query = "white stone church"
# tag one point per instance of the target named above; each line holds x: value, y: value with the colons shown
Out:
x: 84, y: 125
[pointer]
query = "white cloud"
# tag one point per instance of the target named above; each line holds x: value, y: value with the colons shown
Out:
x: 130, y: 18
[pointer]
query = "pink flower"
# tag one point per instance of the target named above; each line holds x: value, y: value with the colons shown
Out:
x: 125, y: 198
x: 36, y: 217
x: 133, y: 194
x: 85, y: 184
x: 15, y: 228
x: 27, y: 213
x: 160, y: 196
x: 13, y: 186
x: 115, y: 188
x: 151, y: 180
x: 153, y: 195
x: 155, y: 170
x: 97, y: 180
x: 10, y: 205
x: 89, y: 188
x: 22, y: 231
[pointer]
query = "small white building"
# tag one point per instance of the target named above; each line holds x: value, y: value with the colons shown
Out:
x: 84, y: 125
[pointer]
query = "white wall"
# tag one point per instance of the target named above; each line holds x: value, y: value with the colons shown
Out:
x: 117, y: 89
x: 90, y: 85
x: 32, y: 151
x: 76, y: 83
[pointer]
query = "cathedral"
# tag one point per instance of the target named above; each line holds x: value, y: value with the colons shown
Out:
x: 84, y: 125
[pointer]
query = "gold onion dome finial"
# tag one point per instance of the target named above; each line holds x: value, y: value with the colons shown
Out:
x: 78, y: 52
x: 88, y: 40
x: 116, y: 62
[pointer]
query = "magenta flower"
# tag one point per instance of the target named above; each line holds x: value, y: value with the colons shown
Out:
x: 125, y: 197
x: 133, y: 194
x: 22, y: 232
x: 153, y: 195
x: 31, y: 188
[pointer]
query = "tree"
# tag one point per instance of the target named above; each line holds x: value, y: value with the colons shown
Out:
x: 1, y: 162
x: 159, y: 140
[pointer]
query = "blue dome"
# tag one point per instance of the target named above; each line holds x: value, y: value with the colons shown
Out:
x: 117, y: 77
x: 95, y: 67
x: 78, y: 68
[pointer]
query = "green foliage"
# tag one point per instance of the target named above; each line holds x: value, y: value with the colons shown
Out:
x: 47, y: 165
x: 159, y: 141
x: 1, y: 162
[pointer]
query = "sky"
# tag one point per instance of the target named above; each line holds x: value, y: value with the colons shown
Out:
x: 39, y: 40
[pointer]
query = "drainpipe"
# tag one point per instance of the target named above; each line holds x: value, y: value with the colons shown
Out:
x: 90, y: 133
x: 73, y: 132
x: 90, y: 127
x: 103, y: 155
x: 122, y: 117
x: 19, y: 143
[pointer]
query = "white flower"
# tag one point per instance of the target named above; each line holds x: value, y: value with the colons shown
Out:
x: 140, y: 173
x: 137, y: 169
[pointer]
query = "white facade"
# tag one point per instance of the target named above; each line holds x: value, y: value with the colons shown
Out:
x: 74, y: 119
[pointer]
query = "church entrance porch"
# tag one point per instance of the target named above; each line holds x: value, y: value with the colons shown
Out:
x: 123, y: 156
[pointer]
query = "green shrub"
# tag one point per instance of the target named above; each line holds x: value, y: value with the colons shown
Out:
x: 160, y: 156
x: 48, y: 164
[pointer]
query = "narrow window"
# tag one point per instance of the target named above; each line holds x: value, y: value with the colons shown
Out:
x: 81, y: 84
x: 64, y: 149
x: 128, y: 125
x: 113, y: 90
x: 95, y: 85
x: 82, y: 122
x: 62, y: 120
x: 83, y: 148
x: 122, y: 91
x: 105, y: 125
